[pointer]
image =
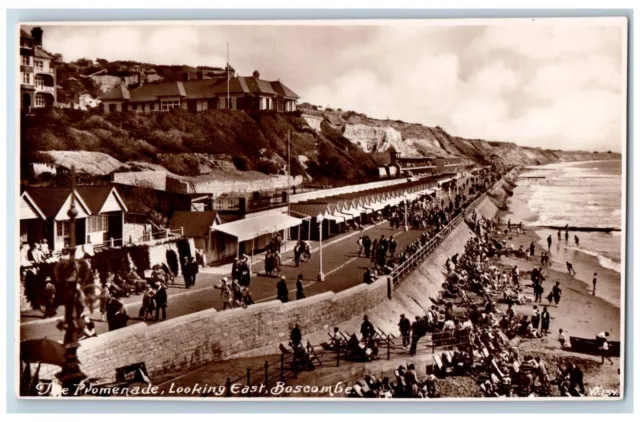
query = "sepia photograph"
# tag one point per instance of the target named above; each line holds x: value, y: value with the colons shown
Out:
x: 348, y: 210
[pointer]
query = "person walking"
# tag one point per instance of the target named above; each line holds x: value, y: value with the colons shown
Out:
x: 193, y: 270
x: 535, y: 318
x: 148, y: 303
x: 549, y: 241
x: 186, y: 273
x: 405, y: 330
x: 545, y: 318
x: 366, y: 243
x: 161, y: 300
x: 557, y: 293
x: 603, y: 346
x: 577, y: 240
x: 282, y: 290
x: 299, y: 288
x: 594, y: 281
x: 570, y: 268
x: 532, y: 250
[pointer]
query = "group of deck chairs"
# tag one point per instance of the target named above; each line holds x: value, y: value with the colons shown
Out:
x: 405, y: 385
x: 353, y: 347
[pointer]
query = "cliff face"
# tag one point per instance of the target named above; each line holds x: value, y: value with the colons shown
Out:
x: 411, y: 139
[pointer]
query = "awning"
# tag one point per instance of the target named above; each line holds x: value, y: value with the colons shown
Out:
x: 377, y: 206
x: 250, y: 228
x: 353, y: 211
x: 346, y: 217
x: 363, y: 210
x: 334, y: 218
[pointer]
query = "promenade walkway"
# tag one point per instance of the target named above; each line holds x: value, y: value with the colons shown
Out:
x: 342, y: 267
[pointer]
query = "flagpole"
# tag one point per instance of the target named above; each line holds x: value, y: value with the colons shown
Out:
x: 289, y: 172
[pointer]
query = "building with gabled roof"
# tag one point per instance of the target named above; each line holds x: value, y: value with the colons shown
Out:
x: 100, y: 216
x: 243, y: 93
x: 37, y: 74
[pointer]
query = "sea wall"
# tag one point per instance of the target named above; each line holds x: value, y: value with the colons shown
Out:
x: 194, y: 340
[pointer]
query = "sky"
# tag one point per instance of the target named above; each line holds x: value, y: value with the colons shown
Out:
x: 556, y: 84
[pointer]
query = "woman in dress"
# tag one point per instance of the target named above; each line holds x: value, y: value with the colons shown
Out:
x: 544, y: 320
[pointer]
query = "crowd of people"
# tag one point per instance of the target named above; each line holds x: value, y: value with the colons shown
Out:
x: 35, y: 253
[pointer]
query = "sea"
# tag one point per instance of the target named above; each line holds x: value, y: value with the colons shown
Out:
x: 587, y: 195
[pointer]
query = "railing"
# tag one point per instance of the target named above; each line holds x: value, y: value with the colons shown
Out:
x: 406, y: 267
x: 286, y: 368
x: 45, y: 88
x: 145, y: 239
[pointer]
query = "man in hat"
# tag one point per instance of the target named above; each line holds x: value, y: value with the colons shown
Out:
x: 405, y: 330
x: 193, y: 270
x: 299, y: 288
x: 366, y: 329
x: 50, y: 294
x: 296, y: 336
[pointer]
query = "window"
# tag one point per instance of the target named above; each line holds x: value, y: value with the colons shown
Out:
x: 39, y: 81
x: 168, y: 105
x: 113, y: 108
x: 40, y: 101
x: 98, y: 223
x: 26, y: 61
x: 38, y: 64
x: 26, y: 78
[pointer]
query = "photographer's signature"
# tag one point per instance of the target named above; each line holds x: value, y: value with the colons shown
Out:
x: 599, y: 391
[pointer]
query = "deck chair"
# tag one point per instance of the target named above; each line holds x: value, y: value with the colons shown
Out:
x: 496, y: 369
x: 383, y: 334
x: 312, y: 353
x: 438, y: 362
x: 365, y: 388
x: 448, y: 357
x: 284, y: 350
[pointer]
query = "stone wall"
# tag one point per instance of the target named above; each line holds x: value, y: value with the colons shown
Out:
x: 218, y: 187
x: 148, y: 179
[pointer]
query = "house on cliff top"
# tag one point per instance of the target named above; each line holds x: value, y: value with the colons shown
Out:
x: 243, y: 92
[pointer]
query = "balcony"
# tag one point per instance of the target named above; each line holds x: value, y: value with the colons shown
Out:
x: 46, y: 88
x: 49, y: 71
x: 26, y: 68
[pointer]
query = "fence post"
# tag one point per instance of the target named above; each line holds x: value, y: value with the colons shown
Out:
x: 388, y: 348
x: 111, y: 242
x: 282, y: 367
x: 338, y: 353
x: 166, y: 233
x: 249, y: 381
x: 228, y: 387
x: 181, y: 231
x: 389, y: 287
x: 266, y: 374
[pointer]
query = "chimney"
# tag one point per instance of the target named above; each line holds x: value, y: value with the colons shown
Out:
x: 36, y: 33
x: 256, y: 74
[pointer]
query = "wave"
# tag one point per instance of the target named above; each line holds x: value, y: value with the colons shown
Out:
x: 602, y: 260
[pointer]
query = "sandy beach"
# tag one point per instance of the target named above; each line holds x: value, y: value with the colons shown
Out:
x: 579, y: 313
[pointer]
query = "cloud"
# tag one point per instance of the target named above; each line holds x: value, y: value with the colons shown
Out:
x: 543, y: 83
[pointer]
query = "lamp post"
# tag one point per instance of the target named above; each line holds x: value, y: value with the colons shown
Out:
x: 406, y: 218
x: 320, y: 219
x: 74, y: 279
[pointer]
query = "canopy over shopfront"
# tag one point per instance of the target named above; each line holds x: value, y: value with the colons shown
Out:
x: 251, y: 228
